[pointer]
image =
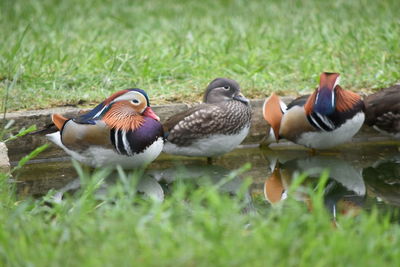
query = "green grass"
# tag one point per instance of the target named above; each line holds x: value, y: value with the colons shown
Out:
x: 194, y: 226
x: 79, y: 52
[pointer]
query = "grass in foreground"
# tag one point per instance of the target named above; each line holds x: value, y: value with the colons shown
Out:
x: 78, y: 52
x: 194, y: 226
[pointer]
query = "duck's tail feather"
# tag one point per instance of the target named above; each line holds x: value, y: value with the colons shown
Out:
x: 55, y: 138
x: 56, y: 125
x: 48, y: 129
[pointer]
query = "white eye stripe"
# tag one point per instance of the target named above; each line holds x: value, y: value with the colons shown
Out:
x: 129, y: 96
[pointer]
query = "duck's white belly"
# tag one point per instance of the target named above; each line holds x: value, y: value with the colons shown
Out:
x: 322, y: 140
x: 97, y: 156
x: 213, y: 145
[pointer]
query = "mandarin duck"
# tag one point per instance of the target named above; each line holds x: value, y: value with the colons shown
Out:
x: 382, y: 111
x: 122, y: 130
x: 212, y: 128
x: 326, y: 118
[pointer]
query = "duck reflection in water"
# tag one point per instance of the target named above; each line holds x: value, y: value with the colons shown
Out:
x: 228, y: 181
x: 344, y: 192
x: 383, y: 180
x: 146, y: 185
x: 156, y: 183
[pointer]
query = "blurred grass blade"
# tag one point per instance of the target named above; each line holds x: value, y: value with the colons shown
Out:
x: 29, y: 157
x: 21, y: 133
x: 9, y: 88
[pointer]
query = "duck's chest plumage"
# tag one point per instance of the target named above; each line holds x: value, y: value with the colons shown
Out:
x: 136, y: 141
x: 210, y: 129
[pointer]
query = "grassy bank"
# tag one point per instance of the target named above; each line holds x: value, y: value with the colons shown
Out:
x: 78, y: 52
x: 194, y: 226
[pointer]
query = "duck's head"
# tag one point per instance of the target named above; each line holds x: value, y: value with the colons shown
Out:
x: 123, y: 103
x: 223, y: 89
x: 125, y: 109
x: 130, y: 102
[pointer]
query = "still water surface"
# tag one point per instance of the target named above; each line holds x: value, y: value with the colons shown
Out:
x: 360, y: 176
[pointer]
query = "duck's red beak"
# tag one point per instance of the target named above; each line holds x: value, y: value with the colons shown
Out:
x: 148, y: 112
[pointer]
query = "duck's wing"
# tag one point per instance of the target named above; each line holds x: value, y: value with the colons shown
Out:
x: 382, y: 109
x: 172, y: 121
x: 175, y: 119
x: 93, y: 115
x: 196, y: 122
x: 77, y: 136
x: 300, y: 101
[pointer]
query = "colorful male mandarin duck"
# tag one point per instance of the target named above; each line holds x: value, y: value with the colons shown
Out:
x: 122, y: 130
x: 382, y: 111
x: 326, y: 118
x: 212, y: 128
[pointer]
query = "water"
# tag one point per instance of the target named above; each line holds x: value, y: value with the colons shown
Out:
x: 360, y: 176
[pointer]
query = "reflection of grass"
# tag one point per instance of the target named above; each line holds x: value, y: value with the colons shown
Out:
x: 194, y: 226
x: 84, y: 50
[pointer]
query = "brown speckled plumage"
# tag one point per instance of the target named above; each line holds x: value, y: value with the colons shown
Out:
x: 208, y: 119
x: 382, y: 110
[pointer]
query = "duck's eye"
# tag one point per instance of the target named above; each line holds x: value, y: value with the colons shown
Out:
x: 227, y: 87
x: 135, y: 101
